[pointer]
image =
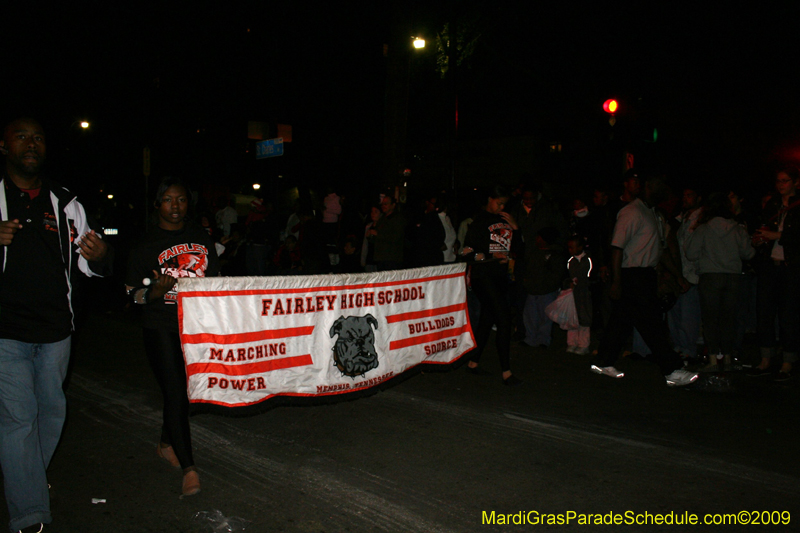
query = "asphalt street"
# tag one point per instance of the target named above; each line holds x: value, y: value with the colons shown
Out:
x: 439, y: 452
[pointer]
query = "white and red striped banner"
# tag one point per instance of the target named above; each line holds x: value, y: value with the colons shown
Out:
x: 249, y: 339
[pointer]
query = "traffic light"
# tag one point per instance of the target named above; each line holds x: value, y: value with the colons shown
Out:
x: 610, y: 106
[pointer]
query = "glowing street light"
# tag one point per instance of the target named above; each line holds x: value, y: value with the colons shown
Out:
x: 418, y: 43
x: 256, y: 186
x: 84, y: 124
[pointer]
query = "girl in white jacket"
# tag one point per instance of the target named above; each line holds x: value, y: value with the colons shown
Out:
x: 719, y: 245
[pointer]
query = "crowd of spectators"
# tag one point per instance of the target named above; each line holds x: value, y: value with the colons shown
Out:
x: 720, y: 267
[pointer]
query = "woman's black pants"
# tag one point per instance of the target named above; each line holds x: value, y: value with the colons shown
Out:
x: 164, y: 352
x: 492, y: 292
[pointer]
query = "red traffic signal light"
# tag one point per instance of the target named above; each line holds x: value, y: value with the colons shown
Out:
x: 610, y: 106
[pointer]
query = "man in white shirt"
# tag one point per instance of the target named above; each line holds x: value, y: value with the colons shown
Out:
x: 637, y: 244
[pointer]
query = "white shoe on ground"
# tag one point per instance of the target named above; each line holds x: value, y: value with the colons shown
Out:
x: 609, y: 371
x: 681, y: 377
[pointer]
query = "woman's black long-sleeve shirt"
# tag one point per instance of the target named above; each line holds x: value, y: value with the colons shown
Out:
x: 488, y: 234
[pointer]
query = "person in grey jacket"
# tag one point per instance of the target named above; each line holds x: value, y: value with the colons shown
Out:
x: 719, y: 244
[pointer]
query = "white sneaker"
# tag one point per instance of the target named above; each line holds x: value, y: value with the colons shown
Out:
x: 580, y: 351
x: 609, y: 371
x: 571, y: 349
x: 680, y: 378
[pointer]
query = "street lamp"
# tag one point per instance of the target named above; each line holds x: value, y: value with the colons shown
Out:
x: 84, y: 124
x: 418, y: 42
x: 256, y: 186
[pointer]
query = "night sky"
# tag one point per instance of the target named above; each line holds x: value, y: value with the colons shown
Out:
x: 719, y: 82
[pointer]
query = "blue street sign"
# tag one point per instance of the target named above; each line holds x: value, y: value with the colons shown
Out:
x: 269, y: 148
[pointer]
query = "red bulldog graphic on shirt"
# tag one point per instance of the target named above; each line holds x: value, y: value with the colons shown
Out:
x: 500, y: 237
x: 183, y: 261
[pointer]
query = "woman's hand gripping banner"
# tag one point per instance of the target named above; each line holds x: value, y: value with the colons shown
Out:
x: 249, y: 339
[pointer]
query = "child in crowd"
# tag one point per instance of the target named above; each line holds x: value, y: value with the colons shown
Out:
x: 350, y: 259
x: 544, y: 271
x: 579, y: 267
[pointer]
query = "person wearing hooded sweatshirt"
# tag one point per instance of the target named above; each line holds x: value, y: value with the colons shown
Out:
x: 718, y: 245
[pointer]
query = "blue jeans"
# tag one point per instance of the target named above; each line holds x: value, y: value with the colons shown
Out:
x: 638, y: 345
x: 538, y: 327
x: 32, y: 412
x: 684, y: 322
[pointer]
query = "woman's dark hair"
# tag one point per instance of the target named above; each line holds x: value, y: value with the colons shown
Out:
x: 166, y: 183
x: 792, y: 172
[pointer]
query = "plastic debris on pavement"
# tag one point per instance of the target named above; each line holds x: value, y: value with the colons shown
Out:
x: 219, y: 523
x: 713, y: 383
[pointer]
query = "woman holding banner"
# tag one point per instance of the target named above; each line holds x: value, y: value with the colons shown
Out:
x: 175, y: 249
x: 487, y: 247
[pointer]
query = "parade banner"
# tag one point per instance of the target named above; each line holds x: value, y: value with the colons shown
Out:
x: 248, y: 339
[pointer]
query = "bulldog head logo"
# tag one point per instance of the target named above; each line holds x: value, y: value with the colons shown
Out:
x: 354, y: 352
